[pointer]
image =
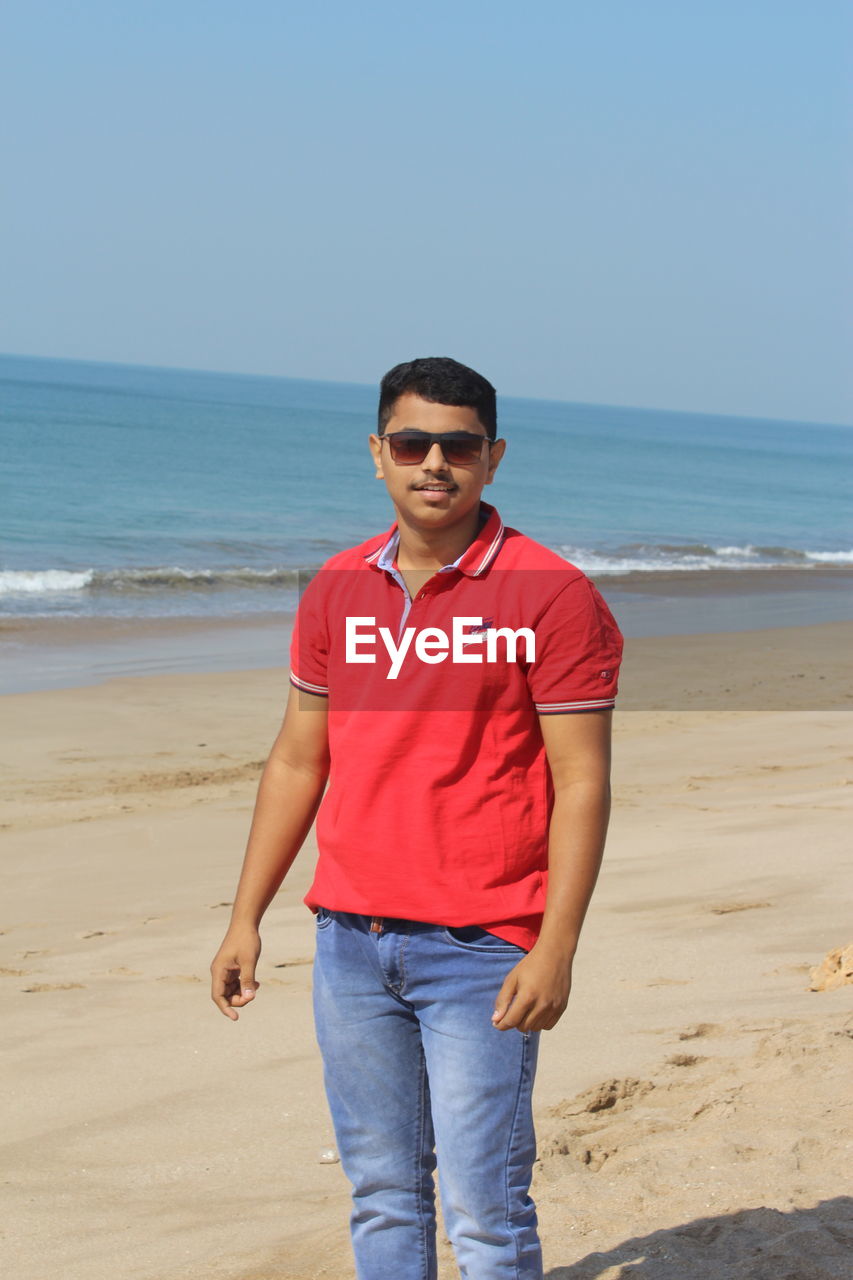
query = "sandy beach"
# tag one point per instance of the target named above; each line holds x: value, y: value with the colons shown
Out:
x: 693, y: 1105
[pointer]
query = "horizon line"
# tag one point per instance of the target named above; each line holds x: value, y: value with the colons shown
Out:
x: 502, y: 395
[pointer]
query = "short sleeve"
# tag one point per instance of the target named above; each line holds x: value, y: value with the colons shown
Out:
x: 578, y: 652
x: 309, y: 644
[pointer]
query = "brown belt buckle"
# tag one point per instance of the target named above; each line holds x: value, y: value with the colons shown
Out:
x: 376, y: 924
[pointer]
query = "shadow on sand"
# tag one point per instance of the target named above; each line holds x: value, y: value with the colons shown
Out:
x: 753, y: 1244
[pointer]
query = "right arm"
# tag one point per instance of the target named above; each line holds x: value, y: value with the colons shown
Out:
x: 289, y: 795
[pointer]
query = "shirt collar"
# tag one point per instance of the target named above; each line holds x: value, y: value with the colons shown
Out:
x: 473, y: 562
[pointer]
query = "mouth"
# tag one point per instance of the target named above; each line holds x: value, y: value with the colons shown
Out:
x: 435, y: 493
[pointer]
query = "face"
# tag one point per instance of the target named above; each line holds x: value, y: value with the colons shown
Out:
x: 433, y: 494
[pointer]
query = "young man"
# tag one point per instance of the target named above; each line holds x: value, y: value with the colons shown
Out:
x: 453, y: 683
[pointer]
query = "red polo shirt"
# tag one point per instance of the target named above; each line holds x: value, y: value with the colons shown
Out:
x: 440, y: 795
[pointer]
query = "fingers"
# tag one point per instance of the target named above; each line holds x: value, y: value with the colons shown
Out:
x: 515, y: 1018
x: 247, y: 985
x: 506, y: 997
x: 527, y: 1004
x: 529, y: 1015
x: 222, y: 989
x: 233, y: 985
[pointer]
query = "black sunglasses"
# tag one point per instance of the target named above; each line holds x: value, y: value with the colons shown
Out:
x: 460, y: 448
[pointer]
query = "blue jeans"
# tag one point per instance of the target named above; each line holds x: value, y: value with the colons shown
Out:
x: 412, y: 1066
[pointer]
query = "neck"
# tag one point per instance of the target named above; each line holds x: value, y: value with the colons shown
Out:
x: 433, y: 548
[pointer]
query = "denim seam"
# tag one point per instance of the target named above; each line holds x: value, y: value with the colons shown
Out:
x: 419, y: 1156
x: 402, y: 956
x: 513, y: 1134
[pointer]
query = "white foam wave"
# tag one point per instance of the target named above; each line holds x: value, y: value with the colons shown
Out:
x: 50, y: 582
x: 734, y: 553
x: 657, y: 559
x: 177, y: 578
x: 831, y: 557
x: 43, y: 581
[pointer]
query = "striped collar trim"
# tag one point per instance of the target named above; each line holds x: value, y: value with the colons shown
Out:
x: 483, y: 551
x: 474, y: 562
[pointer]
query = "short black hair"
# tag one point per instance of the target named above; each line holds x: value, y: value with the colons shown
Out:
x: 443, y: 381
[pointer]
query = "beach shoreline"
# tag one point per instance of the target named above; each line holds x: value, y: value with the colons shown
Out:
x: 63, y: 651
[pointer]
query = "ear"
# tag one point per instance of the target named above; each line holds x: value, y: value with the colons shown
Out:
x: 376, y: 453
x: 495, y: 454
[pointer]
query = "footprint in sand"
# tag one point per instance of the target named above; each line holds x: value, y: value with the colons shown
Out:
x: 54, y: 986
x: 584, y: 1139
x: 727, y: 908
x: 701, y: 1029
x: 603, y: 1097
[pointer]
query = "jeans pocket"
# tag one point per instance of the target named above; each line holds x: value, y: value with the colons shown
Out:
x: 324, y: 917
x: 471, y: 937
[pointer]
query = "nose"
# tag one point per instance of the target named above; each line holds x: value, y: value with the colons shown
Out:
x: 435, y: 459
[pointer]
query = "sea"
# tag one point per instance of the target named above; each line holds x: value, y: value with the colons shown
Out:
x: 131, y: 492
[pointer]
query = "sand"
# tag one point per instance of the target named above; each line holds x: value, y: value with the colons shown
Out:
x: 693, y: 1105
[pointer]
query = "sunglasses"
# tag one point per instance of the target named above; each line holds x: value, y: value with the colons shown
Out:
x: 460, y: 448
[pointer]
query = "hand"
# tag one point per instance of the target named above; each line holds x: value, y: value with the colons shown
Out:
x: 535, y: 992
x: 233, y: 981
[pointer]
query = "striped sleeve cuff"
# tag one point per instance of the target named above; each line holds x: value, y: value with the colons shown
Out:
x: 566, y: 708
x: 320, y: 690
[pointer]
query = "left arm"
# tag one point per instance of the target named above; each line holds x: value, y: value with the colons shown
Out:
x: 536, y: 992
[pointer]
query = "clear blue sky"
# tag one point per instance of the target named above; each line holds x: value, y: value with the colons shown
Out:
x: 642, y: 202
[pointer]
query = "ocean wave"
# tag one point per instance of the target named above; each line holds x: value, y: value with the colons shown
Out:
x: 170, y: 580
x: 53, y: 582
x: 639, y: 558
x: 43, y: 581
x: 831, y: 557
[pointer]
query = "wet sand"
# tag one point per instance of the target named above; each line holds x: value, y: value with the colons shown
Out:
x: 62, y: 651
